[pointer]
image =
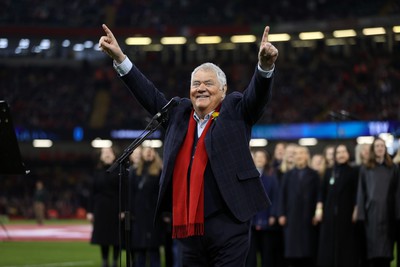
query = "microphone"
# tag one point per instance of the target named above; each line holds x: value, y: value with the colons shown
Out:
x: 172, y: 103
x: 342, y: 115
x: 347, y: 115
x: 334, y: 115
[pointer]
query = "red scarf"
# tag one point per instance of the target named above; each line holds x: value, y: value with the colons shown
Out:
x: 188, y: 190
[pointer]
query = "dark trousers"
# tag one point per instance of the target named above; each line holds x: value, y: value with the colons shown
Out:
x: 270, y: 246
x: 301, y: 262
x: 398, y: 244
x: 105, y: 249
x: 142, y: 256
x: 225, y: 243
x: 398, y: 252
x: 379, y: 262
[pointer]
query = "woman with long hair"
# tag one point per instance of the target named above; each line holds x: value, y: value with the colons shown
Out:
x: 103, y: 210
x: 147, y: 237
x: 377, y: 205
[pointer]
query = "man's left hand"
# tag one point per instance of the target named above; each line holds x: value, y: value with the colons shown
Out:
x: 268, y: 53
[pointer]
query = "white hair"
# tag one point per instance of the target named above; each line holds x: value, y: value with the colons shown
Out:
x: 221, y: 77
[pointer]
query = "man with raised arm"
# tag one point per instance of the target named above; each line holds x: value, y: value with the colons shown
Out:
x: 209, y: 181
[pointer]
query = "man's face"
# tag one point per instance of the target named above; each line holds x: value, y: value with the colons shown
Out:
x: 317, y: 162
x: 107, y: 155
x: 279, y: 151
x: 205, y: 92
x: 260, y: 159
x: 342, y: 155
x: 289, y: 153
x: 300, y: 157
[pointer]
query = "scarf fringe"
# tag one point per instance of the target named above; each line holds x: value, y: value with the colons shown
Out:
x: 183, y: 231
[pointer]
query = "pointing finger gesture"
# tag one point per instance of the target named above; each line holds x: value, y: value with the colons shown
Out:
x: 109, y: 45
x: 268, y: 53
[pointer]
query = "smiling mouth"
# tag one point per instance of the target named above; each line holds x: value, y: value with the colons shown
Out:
x: 202, y: 96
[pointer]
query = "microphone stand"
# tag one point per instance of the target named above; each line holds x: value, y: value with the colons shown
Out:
x: 123, y: 163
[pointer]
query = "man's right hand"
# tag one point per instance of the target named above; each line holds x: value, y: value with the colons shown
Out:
x: 109, y: 45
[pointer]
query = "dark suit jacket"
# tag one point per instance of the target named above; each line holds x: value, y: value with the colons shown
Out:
x: 227, y: 141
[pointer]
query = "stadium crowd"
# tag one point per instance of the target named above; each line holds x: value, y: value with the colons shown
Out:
x: 158, y: 14
x: 308, y: 85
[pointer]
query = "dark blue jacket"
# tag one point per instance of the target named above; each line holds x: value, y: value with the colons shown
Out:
x: 261, y: 219
x: 227, y: 142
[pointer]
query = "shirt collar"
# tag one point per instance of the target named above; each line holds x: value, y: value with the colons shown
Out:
x: 206, y: 117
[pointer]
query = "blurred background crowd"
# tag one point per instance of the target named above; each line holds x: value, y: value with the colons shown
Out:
x: 156, y: 13
x: 308, y: 85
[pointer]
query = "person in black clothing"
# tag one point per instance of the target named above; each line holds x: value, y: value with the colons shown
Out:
x: 39, y: 202
x: 396, y: 160
x: 147, y: 237
x: 297, y: 201
x: 263, y: 231
x: 103, y: 209
x: 376, y: 204
x: 338, y: 244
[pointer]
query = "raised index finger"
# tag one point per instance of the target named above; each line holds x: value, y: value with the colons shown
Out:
x: 265, y: 35
x: 108, y: 31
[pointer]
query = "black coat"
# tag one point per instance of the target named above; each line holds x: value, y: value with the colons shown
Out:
x: 297, y: 201
x: 377, y: 205
x: 103, y: 203
x: 338, y: 244
x: 145, y: 233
